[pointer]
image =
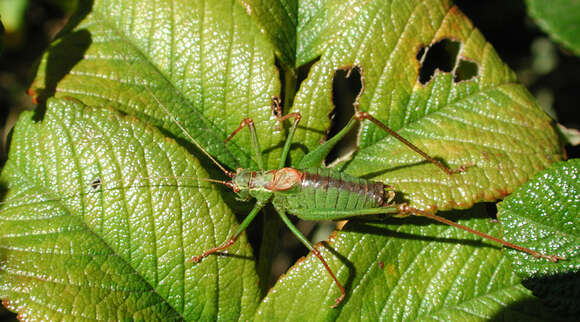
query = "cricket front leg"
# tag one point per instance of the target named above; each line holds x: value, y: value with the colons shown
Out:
x: 248, y: 122
x: 234, y: 238
x: 277, y: 109
x: 218, y: 249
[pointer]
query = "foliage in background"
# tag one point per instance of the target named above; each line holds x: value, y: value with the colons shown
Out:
x: 389, y: 265
x: 560, y: 19
x: 1, y: 35
x: 12, y: 14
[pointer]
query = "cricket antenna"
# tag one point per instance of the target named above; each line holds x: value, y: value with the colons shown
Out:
x: 194, y: 141
x: 228, y: 184
x: 213, y: 180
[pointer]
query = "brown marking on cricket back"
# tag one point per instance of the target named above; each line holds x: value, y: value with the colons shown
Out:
x: 285, y: 179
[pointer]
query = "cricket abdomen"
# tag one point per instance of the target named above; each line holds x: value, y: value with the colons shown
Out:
x: 323, y: 188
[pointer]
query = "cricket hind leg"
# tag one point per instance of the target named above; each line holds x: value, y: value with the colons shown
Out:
x: 317, y: 156
x: 316, y: 253
x: 366, y: 116
x: 404, y: 209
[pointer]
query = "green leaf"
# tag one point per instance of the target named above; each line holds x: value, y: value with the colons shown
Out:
x: 488, y: 122
x: 300, y: 30
x: 407, y: 269
x: 12, y: 13
x: 277, y: 21
x: 560, y: 19
x: 207, y: 65
x: 116, y: 248
x: 544, y: 214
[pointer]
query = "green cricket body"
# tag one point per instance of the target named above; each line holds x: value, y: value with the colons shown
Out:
x: 299, y: 192
x: 312, y: 192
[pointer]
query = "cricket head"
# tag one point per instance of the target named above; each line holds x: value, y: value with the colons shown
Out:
x: 262, y: 184
x: 249, y: 184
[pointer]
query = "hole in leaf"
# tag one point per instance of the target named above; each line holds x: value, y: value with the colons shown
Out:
x: 491, y: 210
x: 346, y: 86
x: 465, y: 70
x: 439, y: 56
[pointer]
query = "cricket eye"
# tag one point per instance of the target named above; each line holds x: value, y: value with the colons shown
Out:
x: 233, y: 186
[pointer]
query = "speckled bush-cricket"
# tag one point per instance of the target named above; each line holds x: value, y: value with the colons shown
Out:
x: 313, y: 192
